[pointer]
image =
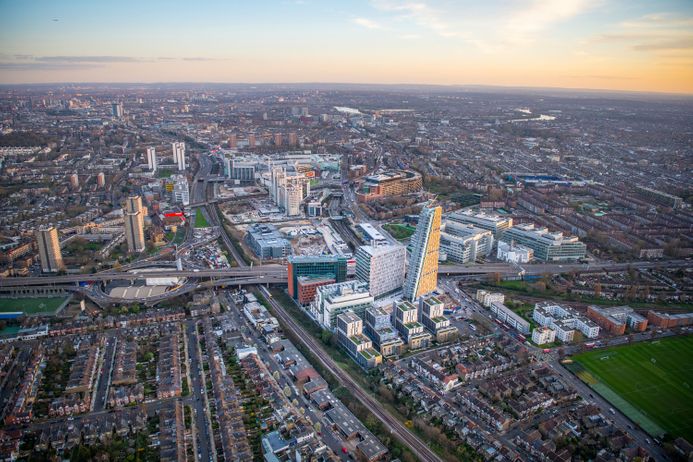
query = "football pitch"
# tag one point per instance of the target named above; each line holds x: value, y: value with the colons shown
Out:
x: 649, y: 382
x: 47, y: 305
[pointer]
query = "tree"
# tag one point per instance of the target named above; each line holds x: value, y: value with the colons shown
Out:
x: 598, y: 290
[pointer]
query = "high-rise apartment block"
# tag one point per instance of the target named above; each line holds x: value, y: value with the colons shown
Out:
x: 378, y: 327
x: 431, y: 315
x: 422, y: 276
x: 151, y: 159
x: 179, y: 154
x: 406, y: 320
x: 49, y: 249
x: 334, y: 299
x: 134, y: 224
x: 358, y: 346
x: 288, y: 189
x: 381, y: 267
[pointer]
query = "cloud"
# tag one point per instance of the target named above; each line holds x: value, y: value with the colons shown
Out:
x: 88, y: 59
x: 420, y: 13
x: 525, y: 25
x: 658, y: 33
x: 367, y: 23
x: 45, y: 66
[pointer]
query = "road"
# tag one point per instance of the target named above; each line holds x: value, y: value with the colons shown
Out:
x: 418, y: 447
x: 198, y: 389
x: 101, y: 395
x: 275, y: 271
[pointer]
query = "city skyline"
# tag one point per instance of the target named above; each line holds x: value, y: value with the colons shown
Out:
x: 615, y: 45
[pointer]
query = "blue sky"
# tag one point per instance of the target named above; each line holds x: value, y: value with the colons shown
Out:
x: 633, y: 45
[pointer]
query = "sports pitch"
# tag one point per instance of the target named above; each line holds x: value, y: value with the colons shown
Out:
x: 650, y: 382
x: 47, y: 305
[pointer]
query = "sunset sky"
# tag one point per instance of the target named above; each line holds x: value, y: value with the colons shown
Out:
x: 603, y: 44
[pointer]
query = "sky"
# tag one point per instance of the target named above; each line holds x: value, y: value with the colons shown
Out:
x: 640, y: 45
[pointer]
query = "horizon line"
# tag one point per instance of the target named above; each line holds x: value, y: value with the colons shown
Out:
x: 327, y: 83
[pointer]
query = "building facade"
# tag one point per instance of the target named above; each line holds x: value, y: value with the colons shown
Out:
x: 381, y: 267
x: 315, y: 267
x: 350, y: 337
x: 464, y: 243
x: 333, y: 299
x: 422, y: 276
x: 266, y: 242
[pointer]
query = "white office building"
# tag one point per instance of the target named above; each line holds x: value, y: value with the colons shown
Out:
x: 514, y: 253
x: 464, y: 243
x: 382, y: 268
x: 494, y: 223
x: 151, y: 159
x: 547, y: 246
x: 181, y: 189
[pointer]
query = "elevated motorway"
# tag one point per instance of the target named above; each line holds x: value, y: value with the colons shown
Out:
x: 276, y: 272
x: 556, y: 268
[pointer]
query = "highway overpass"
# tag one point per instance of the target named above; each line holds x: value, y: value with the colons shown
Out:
x: 278, y: 274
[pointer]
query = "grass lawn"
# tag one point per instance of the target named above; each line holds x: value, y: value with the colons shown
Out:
x: 200, y: 220
x: 649, y: 382
x: 399, y: 231
x: 163, y: 173
x: 31, y: 305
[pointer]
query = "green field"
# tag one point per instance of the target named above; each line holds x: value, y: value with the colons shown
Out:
x: 31, y: 305
x: 649, y: 382
x: 399, y: 231
x: 200, y: 220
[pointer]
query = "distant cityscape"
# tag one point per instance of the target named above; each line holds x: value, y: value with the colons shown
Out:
x: 287, y: 273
